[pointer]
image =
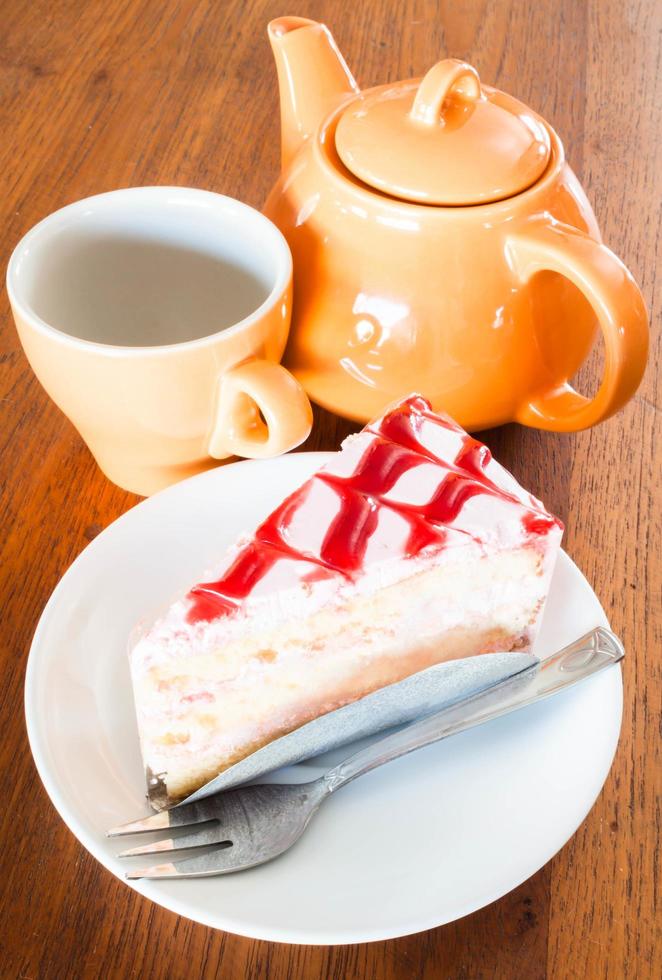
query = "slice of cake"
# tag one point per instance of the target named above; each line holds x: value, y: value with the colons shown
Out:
x: 411, y: 547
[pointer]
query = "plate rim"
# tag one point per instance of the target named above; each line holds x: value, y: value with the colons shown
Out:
x: 225, y: 922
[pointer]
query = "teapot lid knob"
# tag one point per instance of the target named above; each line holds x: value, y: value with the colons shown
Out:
x: 447, y: 77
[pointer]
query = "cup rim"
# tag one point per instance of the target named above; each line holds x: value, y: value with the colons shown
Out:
x: 157, y: 192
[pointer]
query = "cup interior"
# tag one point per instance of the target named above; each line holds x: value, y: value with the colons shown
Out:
x: 149, y: 267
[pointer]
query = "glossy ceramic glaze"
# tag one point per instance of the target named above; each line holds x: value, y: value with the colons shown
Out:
x: 449, y: 140
x: 488, y: 309
x: 153, y: 415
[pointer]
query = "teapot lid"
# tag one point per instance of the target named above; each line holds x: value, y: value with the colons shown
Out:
x: 444, y: 140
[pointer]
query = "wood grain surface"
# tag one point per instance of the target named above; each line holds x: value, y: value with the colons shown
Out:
x: 108, y: 93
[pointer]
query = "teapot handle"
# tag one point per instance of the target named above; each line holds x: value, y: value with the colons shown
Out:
x: 546, y: 245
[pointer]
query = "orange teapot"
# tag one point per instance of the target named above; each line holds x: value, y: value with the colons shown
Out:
x: 441, y: 244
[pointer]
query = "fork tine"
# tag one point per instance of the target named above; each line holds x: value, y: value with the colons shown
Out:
x: 179, y: 816
x: 212, y: 834
x: 157, y: 821
x: 157, y: 871
x: 219, y: 862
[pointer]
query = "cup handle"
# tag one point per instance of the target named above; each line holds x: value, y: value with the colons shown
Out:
x: 261, y: 411
x: 547, y: 245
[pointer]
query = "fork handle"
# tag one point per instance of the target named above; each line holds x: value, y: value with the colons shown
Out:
x: 593, y: 652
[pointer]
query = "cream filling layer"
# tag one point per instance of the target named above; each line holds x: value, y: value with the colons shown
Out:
x: 200, y: 702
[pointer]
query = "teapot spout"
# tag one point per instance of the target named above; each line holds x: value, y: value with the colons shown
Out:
x: 312, y: 78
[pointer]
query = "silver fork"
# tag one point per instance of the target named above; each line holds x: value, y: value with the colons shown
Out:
x: 253, y: 824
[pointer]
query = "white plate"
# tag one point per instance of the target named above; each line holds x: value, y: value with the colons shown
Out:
x: 420, y: 842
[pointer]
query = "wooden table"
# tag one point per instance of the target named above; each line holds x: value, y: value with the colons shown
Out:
x: 110, y: 93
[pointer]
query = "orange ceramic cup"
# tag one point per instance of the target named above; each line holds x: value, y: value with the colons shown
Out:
x: 155, y: 319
